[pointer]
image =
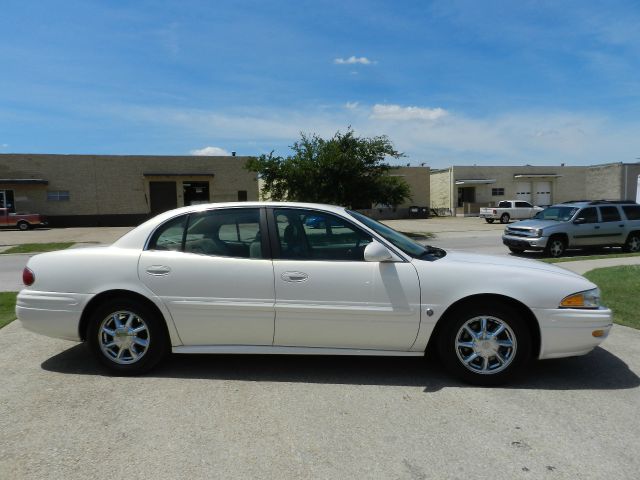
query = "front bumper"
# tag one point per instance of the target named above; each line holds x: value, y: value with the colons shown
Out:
x: 525, y: 243
x: 567, y: 332
x: 52, y: 314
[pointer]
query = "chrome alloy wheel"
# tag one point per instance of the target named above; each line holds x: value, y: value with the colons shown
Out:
x: 556, y: 248
x: 123, y: 337
x: 485, y: 345
x: 634, y: 244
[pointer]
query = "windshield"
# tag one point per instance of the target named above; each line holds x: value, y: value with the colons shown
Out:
x: 401, y: 241
x: 560, y: 214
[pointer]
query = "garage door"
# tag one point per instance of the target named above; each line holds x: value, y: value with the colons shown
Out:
x: 523, y: 191
x: 542, y: 193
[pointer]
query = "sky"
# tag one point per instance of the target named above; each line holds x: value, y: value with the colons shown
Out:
x: 449, y: 82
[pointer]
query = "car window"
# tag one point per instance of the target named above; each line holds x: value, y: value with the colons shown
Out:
x: 314, y: 235
x: 226, y: 233
x: 632, y: 212
x: 590, y: 215
x: 610, y: 214
x: 560, y: 214
x: 169, y: 235
x: 523, y: 205
x: 504, y: 204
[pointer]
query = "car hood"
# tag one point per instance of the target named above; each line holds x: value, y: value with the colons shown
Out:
x: 459, y: 257
x: 533, y: 223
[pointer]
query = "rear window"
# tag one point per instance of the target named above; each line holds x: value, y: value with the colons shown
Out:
x: 632, y: 212
x: 504, y: 204
x: 609, y: 214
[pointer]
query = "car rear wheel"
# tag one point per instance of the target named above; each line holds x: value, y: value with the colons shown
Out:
x: 22, y: 225
x: 485, y: 345
x: 127, y: 336
x: 489, y: 220
x: 633, y: 242
x: 505, y: 218
x: 556, y: 247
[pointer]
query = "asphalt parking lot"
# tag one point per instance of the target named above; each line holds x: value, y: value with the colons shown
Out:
x: 286, y: 417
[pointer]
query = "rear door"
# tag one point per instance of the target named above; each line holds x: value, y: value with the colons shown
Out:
x: 328, y: 296
x: 213, y: 272
x: 612, y: 227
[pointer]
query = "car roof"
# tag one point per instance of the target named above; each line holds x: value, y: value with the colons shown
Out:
x: 585, y: 203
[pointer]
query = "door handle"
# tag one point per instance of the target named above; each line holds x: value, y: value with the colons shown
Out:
x: 294, y: 277
x: 158, y: 270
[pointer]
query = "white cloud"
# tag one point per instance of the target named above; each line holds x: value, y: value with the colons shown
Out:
x: 537, y: 137
x: 351, y: 105
x: 210, y: 151
x: 397, y: 112
x: 353, y: 60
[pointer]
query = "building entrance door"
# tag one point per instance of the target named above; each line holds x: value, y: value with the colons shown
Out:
x: 163, y: 196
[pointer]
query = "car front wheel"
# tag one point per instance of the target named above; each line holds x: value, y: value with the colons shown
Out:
x: 556, y: 247
x: 485, y: 345
x: 127, y: 337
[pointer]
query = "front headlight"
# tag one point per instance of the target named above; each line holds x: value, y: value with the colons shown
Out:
x: 538, y: 232
x: 586, y: 299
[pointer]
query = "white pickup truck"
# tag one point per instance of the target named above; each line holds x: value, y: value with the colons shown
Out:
x: 509, y: 210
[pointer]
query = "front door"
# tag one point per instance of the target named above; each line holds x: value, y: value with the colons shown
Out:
x: 163, y: 196
x: 328, y: 296
x: 216, y: 279
x: 588, y: 232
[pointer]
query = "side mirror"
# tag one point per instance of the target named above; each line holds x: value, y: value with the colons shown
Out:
x: 376, y: 252
x: 580, y: 220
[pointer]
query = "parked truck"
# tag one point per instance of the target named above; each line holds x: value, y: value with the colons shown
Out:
x: 509, y: 210
x: 21, y: 221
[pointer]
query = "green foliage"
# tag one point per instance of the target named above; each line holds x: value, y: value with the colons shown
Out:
x: 619, y: 287
x: 7, y: 307
x: 343, y: 170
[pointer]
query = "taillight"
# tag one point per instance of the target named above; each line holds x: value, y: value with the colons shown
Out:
x: 28, y: 277
x: 495, y: 212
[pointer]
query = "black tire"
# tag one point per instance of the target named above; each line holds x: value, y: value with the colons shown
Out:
x: 504, y: 218
x: 516, y: 358
x: 516, y: 250
x: 23, y: 226
x: 489, y: 220
x: 633, y: 243
x: 556, y: 247
x: 155, y: 334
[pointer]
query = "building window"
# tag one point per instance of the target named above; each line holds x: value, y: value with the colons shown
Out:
x: 497, y: 192
x: 242, y: 195
x: 58, y: 195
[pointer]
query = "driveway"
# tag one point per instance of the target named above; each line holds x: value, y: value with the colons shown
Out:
x: 313, y: 417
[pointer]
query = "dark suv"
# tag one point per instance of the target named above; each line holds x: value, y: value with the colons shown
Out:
x: 578, y: 224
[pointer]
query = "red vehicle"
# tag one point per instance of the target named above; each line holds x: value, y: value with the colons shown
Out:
x: 21, y: 221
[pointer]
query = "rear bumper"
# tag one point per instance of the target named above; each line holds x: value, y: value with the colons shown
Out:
x: 569, y: 332
x: 525, y: 243
x: 52, y: 314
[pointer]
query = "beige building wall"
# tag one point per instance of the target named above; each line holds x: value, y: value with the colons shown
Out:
x: 418, y: 180
x: 613, y: 181
x: 441, y: 182
x: 118, y: 185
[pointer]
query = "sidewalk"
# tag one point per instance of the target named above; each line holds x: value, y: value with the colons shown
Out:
x: 583, y: 266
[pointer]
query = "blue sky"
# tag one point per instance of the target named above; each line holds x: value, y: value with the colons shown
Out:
x: 451, y: 82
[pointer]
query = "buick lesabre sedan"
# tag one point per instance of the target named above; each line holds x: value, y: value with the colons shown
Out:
x: 259, y: 278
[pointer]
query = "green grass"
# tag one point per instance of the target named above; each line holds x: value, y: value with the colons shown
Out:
x: 620, y: 287
x: 588, y: 257
x: 7, y: 307
x: 38, y: 247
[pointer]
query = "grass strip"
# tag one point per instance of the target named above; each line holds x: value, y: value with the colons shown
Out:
x: 7, y: 307
x: 38, y: 247
x: 620, y: 287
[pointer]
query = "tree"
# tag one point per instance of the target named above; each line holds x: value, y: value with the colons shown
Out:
x: 344, y: 170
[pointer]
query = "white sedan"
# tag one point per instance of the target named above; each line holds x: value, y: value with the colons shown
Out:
x: 259, y: 278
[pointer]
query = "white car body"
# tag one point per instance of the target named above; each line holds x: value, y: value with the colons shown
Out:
x: 509, y: 210
x: 214, y: 304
